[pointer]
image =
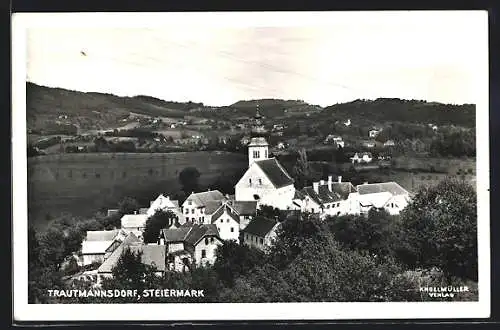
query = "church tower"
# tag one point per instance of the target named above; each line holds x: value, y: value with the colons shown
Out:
x: 258, y: 148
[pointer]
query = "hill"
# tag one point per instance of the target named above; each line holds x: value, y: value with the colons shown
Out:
x: 415, y: 111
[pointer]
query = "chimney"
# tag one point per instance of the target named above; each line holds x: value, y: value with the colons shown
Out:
x: 316, y: 186
x: 322, y: 182
x: 330, y: 182
x: 340, y: 178
x: 135, y: 212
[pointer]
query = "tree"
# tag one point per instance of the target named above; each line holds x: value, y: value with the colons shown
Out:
x: 440, y: 229
x: 301, y: 170
x: 233, y: 260
x: 155, y: 223
x: 189, y: 179
x: 128, y: 205
x: 268, y: 211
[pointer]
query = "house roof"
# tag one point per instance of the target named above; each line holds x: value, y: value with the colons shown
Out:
x: 275, y: 172
x: 298, y: 194
x: 134, y: 220
x: 95, y: 247
x: 200, y: 231
x: 191, y: 234
x: 143, y: 210
x: 211, y: 207
x: 225, y: 209
x: 324, y: 195
x: 260, y: 226
x: 152, y: 255
x: 245, y: 207
x: 101, y: 235
x: 112, y: 260
x: 202, y: 198
x: 391, y: 187
x: 343, y: 188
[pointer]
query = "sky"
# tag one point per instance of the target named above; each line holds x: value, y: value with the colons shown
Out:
x: 321, y: 60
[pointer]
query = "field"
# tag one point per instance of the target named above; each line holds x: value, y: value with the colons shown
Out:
x: 81, y: 184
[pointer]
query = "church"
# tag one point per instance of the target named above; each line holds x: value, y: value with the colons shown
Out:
x: 266, y: 180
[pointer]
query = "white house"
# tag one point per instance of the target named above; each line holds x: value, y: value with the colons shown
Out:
x: 347, y: 123
x: 387, y: 195
x: 389, y: 143
x: 363, y: 157
x: 374, y: 132
x: 260, y: 233
x: 335, y: 139
x: 134, y: 223
x: 190, y: 243
x: 246, y: 211
x: 199, y: 207
x: 96, y: 243
x: 228, y: 222
x: 164, y: 203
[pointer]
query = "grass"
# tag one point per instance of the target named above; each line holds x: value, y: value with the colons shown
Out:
x: 81, y: 184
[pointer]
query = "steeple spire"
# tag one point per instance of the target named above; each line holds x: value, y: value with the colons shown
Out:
x: 258, y: 146
x: 258, y: 129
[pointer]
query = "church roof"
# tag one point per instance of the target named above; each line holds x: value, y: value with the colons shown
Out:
x: 275, y: 172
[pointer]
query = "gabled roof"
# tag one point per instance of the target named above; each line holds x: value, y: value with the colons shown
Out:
x: 134, y: 220
x: 225, y: 209
x: 275, y: 172
x: 260, y: 226
x: 101, y: 235
x: 343, y: 188
x: 298, y: 195
x: 323, y: 196
x: 95, y: 247
x: 200, y: 231
x: 112, y: 260
x: 245, y: 207
x: 190, y: 234
x: 372, y: 188
x: 143, y: 210
x: 212, y: 206
x: 309, y: 192
x: 205, y: 197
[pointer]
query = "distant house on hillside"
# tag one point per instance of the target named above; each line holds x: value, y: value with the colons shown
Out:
x: 334, y: 139
x: 363, y: 157
x: 389, y: 143
x: 164, y: 203
x: 386, y: 195
x: 368, y: 144
x: 374, y: 132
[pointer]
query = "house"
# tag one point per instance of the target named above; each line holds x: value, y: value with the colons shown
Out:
x: 199, y: 207
x: 96, y: 243
x: 368, y: 144
x: 246, y: 211
x: 164, y: 203
x: 227, y: 221
x: 152, y: 255
x: 363, y: 157
x: 385, y: 195
x: 112, y: 212
x: 374, y: 132
x: 347, y: 123
x: 245, y: 140
x: 389, y: 143
x: 282, y: 145
x: 134, y: 223
x: 190, y: 244
x: 334, y: 139
x: 327, y: 197
x: 260, y: 233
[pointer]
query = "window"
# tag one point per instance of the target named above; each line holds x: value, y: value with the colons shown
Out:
x: 221, y: 220
x: 260, y: 181
x: 206, y: 240
x: 250, y: 181
x: 190, y: 203
x: 232, y: 229
x: 203, y: 253
x: 227, y: 220
x: 187, y: 211
x: 261, y: 241
x: 328, y: 206
x: 192, y: 211
x: 211, y: 239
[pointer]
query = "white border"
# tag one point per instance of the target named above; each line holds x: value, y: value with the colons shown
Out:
x: 265, y: 311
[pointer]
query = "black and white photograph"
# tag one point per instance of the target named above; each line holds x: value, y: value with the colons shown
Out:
x: 208, y: 166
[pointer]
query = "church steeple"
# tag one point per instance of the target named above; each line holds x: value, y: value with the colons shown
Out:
x: 258, y: 148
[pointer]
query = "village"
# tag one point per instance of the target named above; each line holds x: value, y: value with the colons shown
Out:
x: 208, y: 219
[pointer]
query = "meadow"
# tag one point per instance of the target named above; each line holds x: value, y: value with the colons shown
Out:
x: 82, y: 184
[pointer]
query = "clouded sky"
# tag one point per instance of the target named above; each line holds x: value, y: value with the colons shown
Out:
x: 406, y: 55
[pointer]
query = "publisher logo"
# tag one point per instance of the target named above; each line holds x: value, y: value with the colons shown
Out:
x: 443, y: 291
